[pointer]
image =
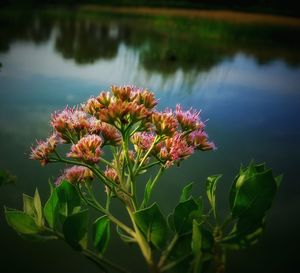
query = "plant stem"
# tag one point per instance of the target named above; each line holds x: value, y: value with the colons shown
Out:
x: 102, y: 261
x: 87, y: 252
x: 156, y: 139
x: 167, y: 252
x: 96, y: 205
x: 141, y: 241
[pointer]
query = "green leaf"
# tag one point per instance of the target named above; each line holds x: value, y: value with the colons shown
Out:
x: 124, y: 237
x: 101, y: 233
x: 21, y: 222
x: 147, y: 193
x: 245, y: 233
x: 181, y: 254
x: 51, y: 209
x: 67, y: 194
x: 75, y: 230
x: 38, y: 208
x: 252, y: 193
x: 186, y: 192
x: 28, y: 205
x: 153, y: 224
x: 211, y: 185
x: 170, y: 221
x: 184, y: 214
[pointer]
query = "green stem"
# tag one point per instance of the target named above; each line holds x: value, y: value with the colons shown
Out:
x: 167, y: 252
x: 173, y: 264
x: 226, y: 222
x: 96, y: 171
x: 156, y: 139
x: 96, y: 205
x: 102, y: 261
x: 97, y: 259
x: 141, y: 241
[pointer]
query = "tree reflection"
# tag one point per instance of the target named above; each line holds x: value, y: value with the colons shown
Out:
x: 86, y: 42
x: 21, y: 27
x: 164, y: 44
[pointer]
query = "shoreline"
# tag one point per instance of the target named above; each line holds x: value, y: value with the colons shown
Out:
x: 216, y: 15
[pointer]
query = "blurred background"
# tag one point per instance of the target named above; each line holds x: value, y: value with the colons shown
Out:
x: 238, y: 61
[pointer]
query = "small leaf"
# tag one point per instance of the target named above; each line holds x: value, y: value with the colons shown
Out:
x: 252, y: 194
x: 124, y: 237
x: 211, y: 185
x: 153, y: 224
x: 51, y: 209
x: 67, y: 194
x: 21, y: 222
x: 184, y: 214
x: 28, y: 205
x: 186, y: 192
x: 38, y: 208
x: 75, y: 230
x: 147, y: 193
x: 101, y: 233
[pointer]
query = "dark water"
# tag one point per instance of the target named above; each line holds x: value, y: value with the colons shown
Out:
x: 245, y: 78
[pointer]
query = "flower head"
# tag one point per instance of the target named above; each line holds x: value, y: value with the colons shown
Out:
x: 43, y: 149
x: 188, y: 120
x: 112, y: 175
x: 143, y: 140
x: 146, y: 98
x: 199, y: 139
x: 75, y: 174
x: 175, y: 149
x: 109, y: 133
x: 88, y: 149
x: 165, y: 123
x: 70, y: 123
x: 92, y: 106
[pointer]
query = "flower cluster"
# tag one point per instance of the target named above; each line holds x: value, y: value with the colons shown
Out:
x: 44, y: 149
x: 87, y: 149
x: 127, y: 118
x: 70, y: 124
x: 75, y: 174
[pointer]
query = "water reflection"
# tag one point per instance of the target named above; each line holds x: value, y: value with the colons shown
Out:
x: 165, y: 44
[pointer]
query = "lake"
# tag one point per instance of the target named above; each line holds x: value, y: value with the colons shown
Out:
x: 245, y: 76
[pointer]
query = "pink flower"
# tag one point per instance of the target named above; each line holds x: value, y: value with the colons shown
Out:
x: 199, y: 139
x: 165, y: 123
x: 175, y: 149
x: 143, y: 140
x: 189, y: 120
x: 75, y: 174
x: 44, y: 149
x: 92, y: 107
x: 88, y: 149
x: 70, y: 123
x: 112, y: 175
x: 109, y: 133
